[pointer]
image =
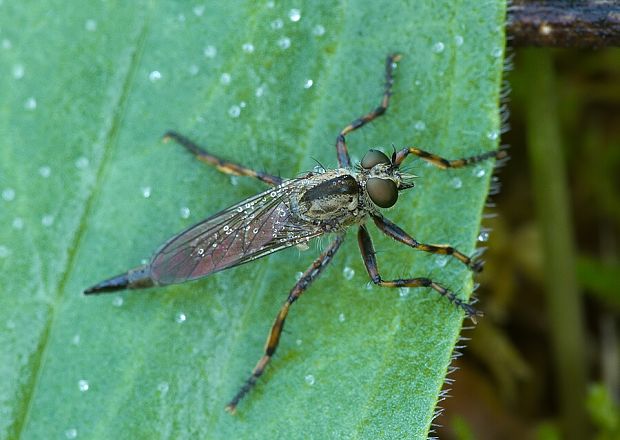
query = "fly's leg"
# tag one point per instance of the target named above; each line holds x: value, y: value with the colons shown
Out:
x: 370, y: 261
x: 222, y: 165
x: 341, y: 147
x: 442, y: 163
x: 276, y: 330
x: 392, y: 230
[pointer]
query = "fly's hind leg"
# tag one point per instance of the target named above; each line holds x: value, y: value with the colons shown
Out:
x: 370, y: 261
x: 341, y: 146
x: 225, y: 166
x: 276, y: 329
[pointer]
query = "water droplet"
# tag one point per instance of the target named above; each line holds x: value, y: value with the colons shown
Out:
x: 47, y: 220
x: 456, y: 183
x: 90, y: 25
x: 210, y: 51
x: 260, y: 91
x: 180, y: 318
x: 6, y: 44
x: 348, y: 273
x: 45, y: 171
x: 497, y: 52
x: 199, y: 10
x: 248, y: 47
x: 185, y: 212
x: 75, y: 340
x: 81, y: 163
x: 118, y: 301
x: 308, y: 83
x: 417, y: 82
x: 277, y: 24
x: 483, y: 236
x: 4, y: 251
x: 8, y: 194
x: 144, y: 261
x: 83, y: 385
x: 271, y: 4
x: 493, y: 135
x: 458, y: 39
x: 479, y: 171
x: 242, y: 104
x: 298, y: 341
x: 419, y: 125
x: 18, y: 71
x: 442, y: 260
x: 438, y: 47
x: 318, y: 30
x: 146, y: 191
x: 284, y: 43
x: 71, y: 433
x: 234, y: 111
x: 234, y: 181
x: 294, y: 15
x: 298, y: 275
x: 193, y: 70
x: 181, y: 18
x: 225, y: 78
x: 403, y: 291
x: 30, y: 104
x: 18, y: 223
x: 309, y: 379
x: 155, y: 75
x: 341, y: 317
x: 163, y: 387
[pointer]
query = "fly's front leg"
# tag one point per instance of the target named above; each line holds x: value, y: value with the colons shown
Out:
x: 370, y: 261
x: 443, y: 163
x: 222, y: 165
x: 341, y: 147
x: 276, y: 329
x: 392, y: 230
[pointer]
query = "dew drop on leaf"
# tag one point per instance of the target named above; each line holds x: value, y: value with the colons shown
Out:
x: 83, y: 385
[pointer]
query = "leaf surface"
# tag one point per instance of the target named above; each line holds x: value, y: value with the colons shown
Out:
x: 88, y: 191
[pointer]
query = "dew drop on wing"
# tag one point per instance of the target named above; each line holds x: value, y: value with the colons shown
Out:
x: 229, y: 238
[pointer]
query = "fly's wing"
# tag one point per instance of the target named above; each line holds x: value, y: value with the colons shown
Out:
x: 256, y: 227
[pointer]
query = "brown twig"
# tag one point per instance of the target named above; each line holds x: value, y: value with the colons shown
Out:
x: 561, y: 23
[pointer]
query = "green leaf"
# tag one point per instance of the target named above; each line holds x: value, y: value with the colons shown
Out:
x: 88, y: 90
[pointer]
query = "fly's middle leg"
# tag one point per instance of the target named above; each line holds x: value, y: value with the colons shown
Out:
x: 278, y: 325
x: 392, y: 230
x: 370, y: 261
x: 223, y: 165
x: 341, y: 147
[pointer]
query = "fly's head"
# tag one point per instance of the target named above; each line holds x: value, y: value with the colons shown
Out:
x: 382, y: 178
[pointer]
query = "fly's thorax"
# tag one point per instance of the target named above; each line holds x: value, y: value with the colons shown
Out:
x: 332, y: 198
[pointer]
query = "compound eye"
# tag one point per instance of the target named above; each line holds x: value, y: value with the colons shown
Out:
x: 382, y: 192
x: 374, y: 157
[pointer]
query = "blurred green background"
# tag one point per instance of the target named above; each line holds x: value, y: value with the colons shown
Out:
x: 548, y: 353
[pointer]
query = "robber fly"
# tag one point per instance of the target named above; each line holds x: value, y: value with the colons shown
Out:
x: 293, y: 212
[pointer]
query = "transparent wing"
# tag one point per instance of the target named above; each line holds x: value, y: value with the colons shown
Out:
x: 256, y: 227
